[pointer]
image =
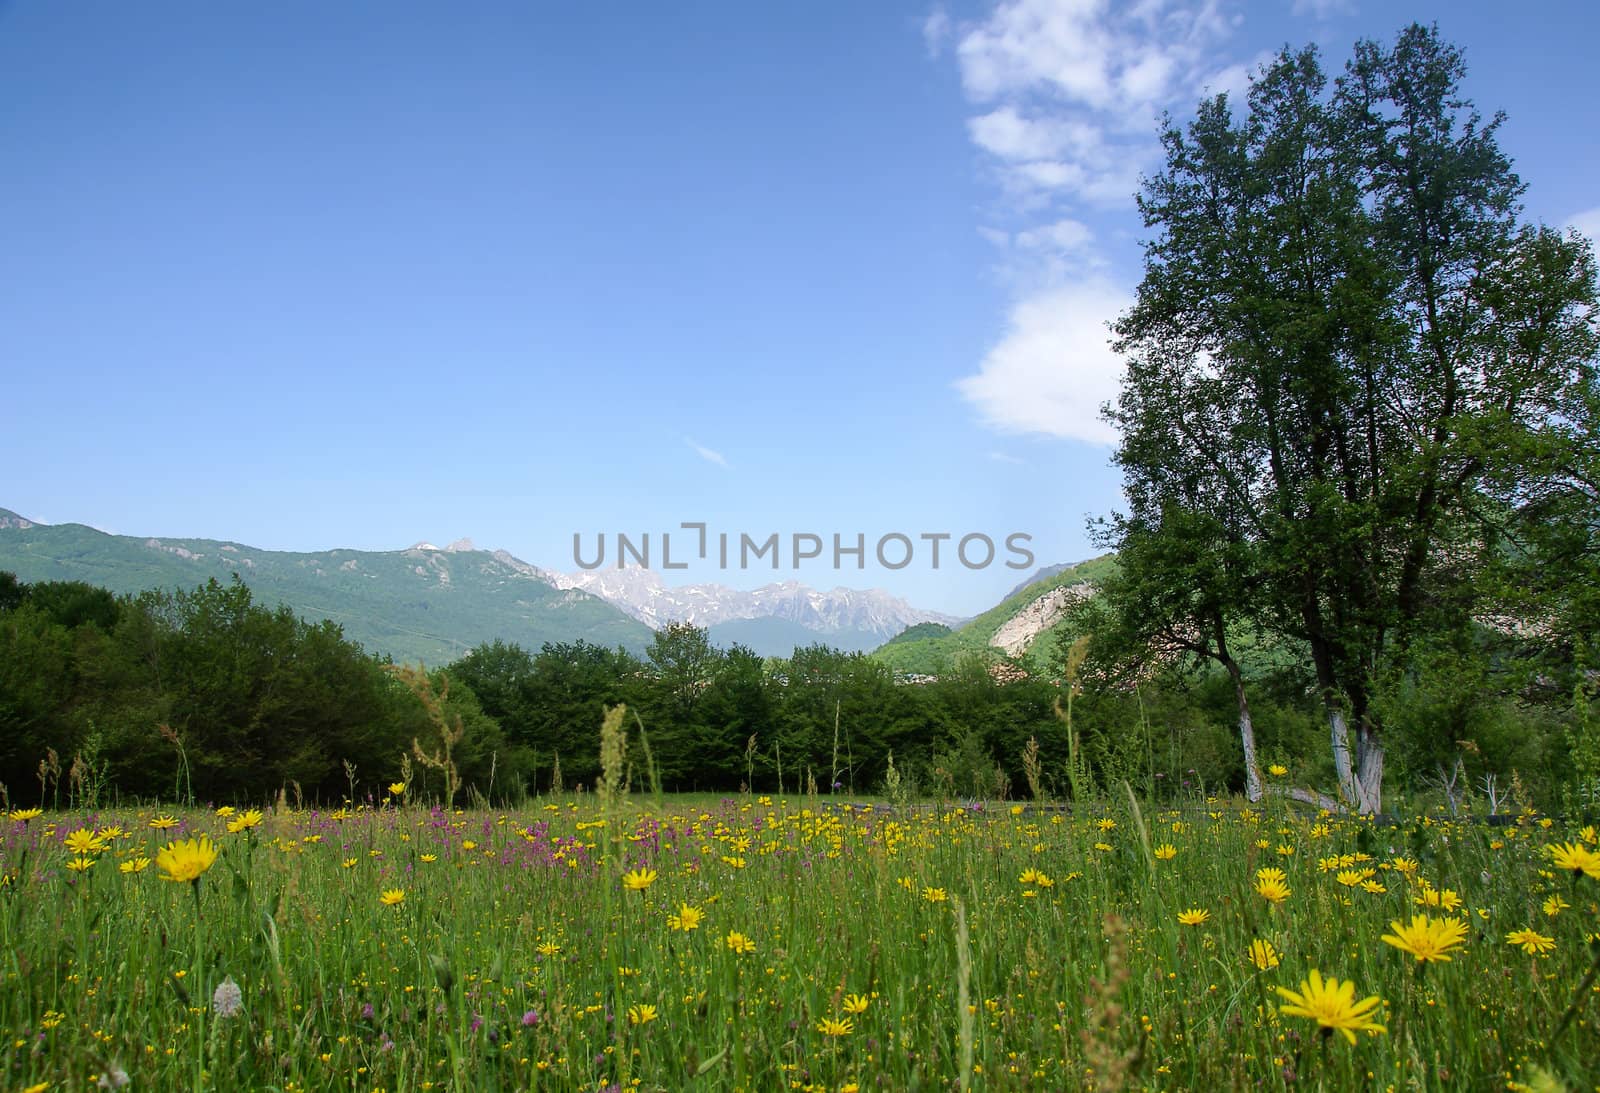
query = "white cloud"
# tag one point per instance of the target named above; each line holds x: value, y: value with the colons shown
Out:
x: 1002, y: 457
x: 1054, y: 367
x: 1324, y: 9
x: 1064, y: 235
x: 936, y: 31
x: 707, y: 454
x: 1066, y: 94
x: 1588, y: 222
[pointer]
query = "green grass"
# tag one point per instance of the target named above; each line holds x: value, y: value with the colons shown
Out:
x: 517, y: 953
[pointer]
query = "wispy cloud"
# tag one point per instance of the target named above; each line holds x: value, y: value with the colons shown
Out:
x: 1324, y: 9
x: 1588, y: 222
x: 1002, y: 457
x: 707, y: 454
x: 1066, y: 96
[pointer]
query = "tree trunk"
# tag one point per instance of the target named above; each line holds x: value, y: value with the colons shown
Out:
x: 1341, y: 756
x: 1247, y: 733
x: 1369, y: 769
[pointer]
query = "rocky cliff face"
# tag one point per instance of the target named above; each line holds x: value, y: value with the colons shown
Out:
x: 1017, y: 633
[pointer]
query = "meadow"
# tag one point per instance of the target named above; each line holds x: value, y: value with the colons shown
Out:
x: 803, y: 943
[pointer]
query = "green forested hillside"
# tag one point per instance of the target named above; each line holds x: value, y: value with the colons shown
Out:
x: 940, y: 652
x: 418, y: 604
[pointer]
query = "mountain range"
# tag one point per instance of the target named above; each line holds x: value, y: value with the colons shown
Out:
x: 432, y: 604
x: 776, y: 615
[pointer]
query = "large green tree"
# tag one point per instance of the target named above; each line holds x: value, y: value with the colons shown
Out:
x: 1345, y: 344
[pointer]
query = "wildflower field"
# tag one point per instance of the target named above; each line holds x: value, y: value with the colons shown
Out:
x: 761, y: 943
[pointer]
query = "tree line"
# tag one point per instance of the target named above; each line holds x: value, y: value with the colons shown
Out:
x: 205, y: 695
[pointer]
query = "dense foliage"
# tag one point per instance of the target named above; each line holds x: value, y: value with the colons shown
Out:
x: 1359, y: 416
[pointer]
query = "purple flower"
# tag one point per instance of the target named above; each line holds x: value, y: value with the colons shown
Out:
x: 530, y: 1018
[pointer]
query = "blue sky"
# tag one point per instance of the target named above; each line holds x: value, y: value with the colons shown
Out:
x: 307, y: 275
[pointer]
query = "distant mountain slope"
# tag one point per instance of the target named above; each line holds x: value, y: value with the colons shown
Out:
x: 418, y: 604
x: 845, y: 618
x: 1024, y: 624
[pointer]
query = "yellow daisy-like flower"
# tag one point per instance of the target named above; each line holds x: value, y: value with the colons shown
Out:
x: 225, y: 811
x: 1428, y: 939
x: 934, y: 895
x: 393, y: 897
x: 637, y: 880
x: 1106, y: 823
x: 856, y: 1003
x: 1531, y: 942
x: 244, y: 821
x: 548, y: 949
x: 397, y: 788
x: 23, y: 815
x: 81, y: 864
x: 830, y: 1026
x: 163, y: 822
x: 84, y: 841
x: 641, y: 1013
x: 1194, y: 916
x: 1576, y: 858
x: 1165, y: 852
x: 1350, y: 878
x: 1263, y: 955
x: 685, y: 918
x: 1554, y: 905
x: 1277, y: 770
x: 1332, y: 1005
x: 1445, y: 899
x: 1272, y: 885
x: 1029, y: 876
x: 739, y: 943
x: 428, y: 858
x: 349, y: 863
x: 135, y: 865
x: 187, y: 860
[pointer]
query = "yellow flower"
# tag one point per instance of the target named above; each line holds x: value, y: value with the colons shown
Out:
x: 637, y: 880
x: 1332, y: 1005
x: 934, y: 895
x: 1554, y: 905
x: 1272, y: 885
x: 1576, y: 858
x: 81, y: 864
x: 84, y: 841
x: 1531, y: 941
x: 829, y: 1026
x: 349, y: 863
x: 23, y: 815
x: 225, y: 811
x: 1277, y: 770
x: 1106, y: 823
x: 397, y: 788
x: 392, y: 897
x: 39, y: 1087
x: 1194, y: 916
x: 1446, y: 900
x: 426, y: 858
x: 686, y: 918
x: 186, y: 860
x: 641, y: 1014
x: 1166, y: 852
x: 1263, y: 955
x: 1427, y: 939
x: 135, y: 865
x: 548, y: 949
x: 738, y: 943
x: 244, y: 822
x: 855, y: 1003
x: 163, y: 823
